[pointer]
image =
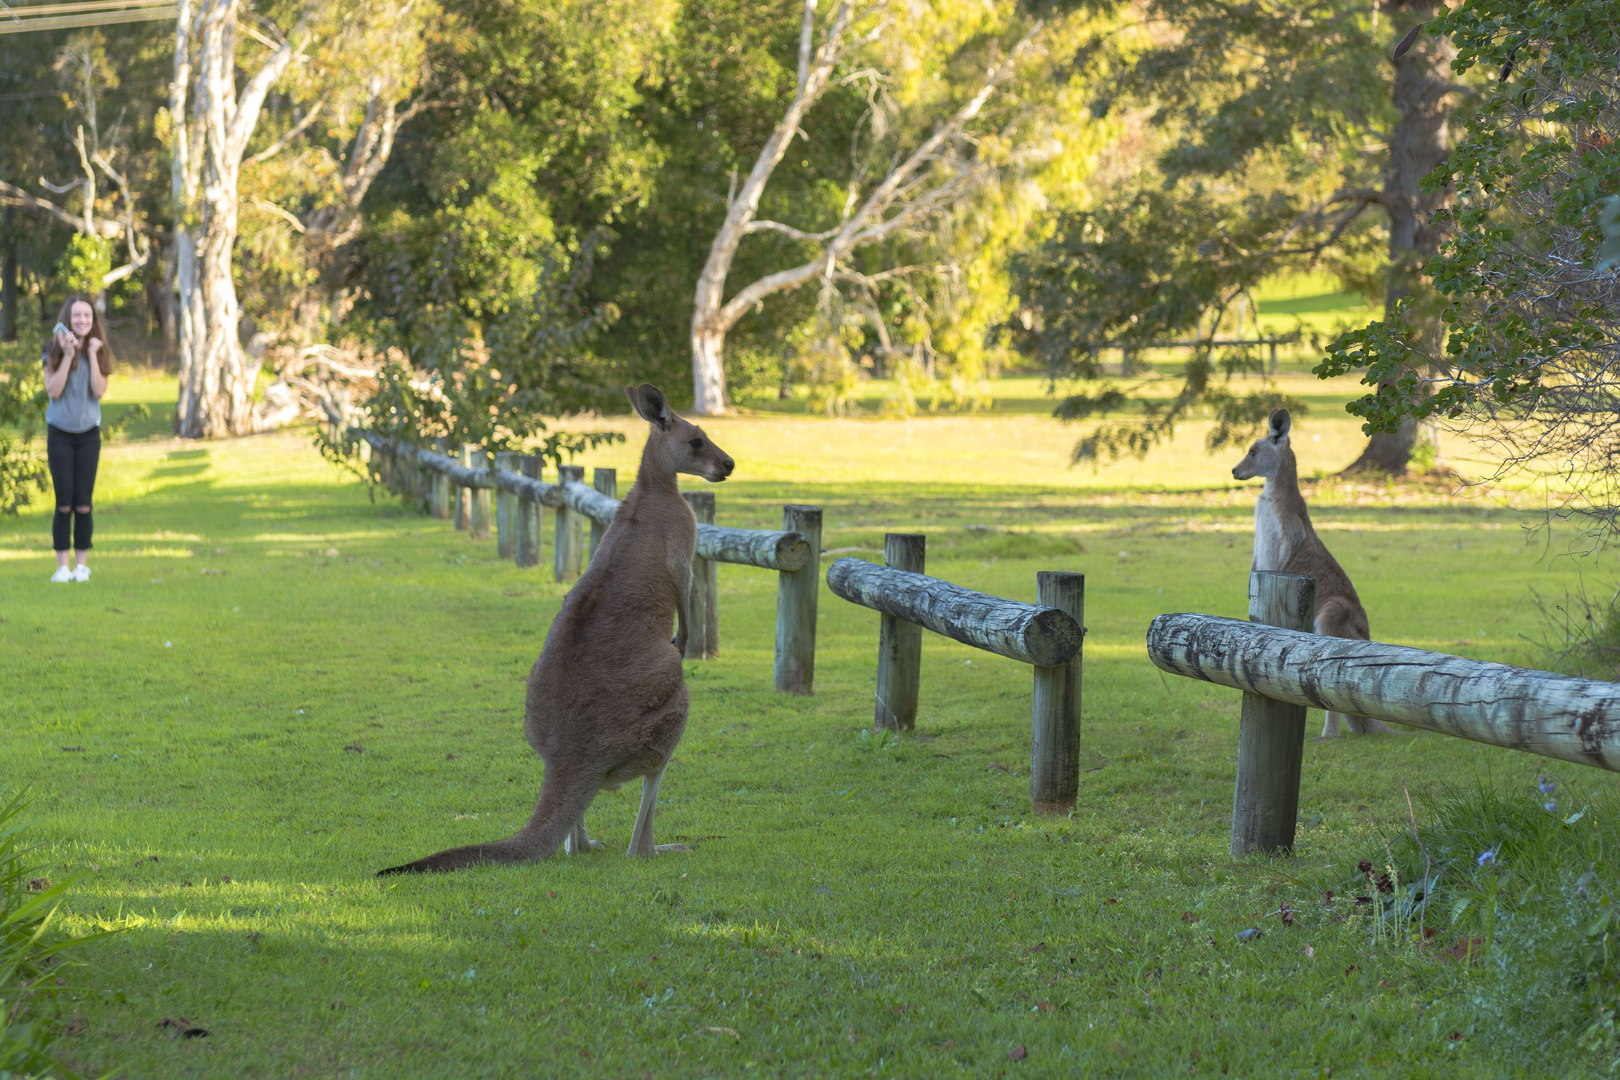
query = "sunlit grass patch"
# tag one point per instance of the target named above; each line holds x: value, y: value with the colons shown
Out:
x: 855, y: 905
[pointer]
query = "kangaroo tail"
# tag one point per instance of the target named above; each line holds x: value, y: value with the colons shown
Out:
x: 561, y: 807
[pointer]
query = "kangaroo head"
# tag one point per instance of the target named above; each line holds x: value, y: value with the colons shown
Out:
x: 676, y: 445
x: 1267, y: 452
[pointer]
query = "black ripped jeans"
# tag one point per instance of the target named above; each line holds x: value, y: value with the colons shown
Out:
x: 73, y: 457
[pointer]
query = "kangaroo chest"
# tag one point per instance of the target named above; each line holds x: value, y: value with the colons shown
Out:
x: 1271, y: 547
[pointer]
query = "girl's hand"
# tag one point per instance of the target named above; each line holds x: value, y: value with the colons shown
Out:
x: 94, y: 347
x: 70, y: 344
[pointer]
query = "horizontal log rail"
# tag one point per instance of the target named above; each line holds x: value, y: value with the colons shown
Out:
x: 1555, y: 716
x: 793, y: 552
x: 1048, y: 636
x: 1283, y: 669
x: 1043, y: 636
x: 768, y: 549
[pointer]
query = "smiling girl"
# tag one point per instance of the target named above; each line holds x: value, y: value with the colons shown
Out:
x: 77, y: 363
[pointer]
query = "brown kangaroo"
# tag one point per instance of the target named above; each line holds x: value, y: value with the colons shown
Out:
x: 607, y: 698
x: 1284, y: 540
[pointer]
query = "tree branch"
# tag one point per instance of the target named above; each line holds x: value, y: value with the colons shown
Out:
x: 252, y: 97
x: 292, y: 133
x: 11, y: 195
x: 797, y: 234
x: 271, y: 208
x: 807, y: 29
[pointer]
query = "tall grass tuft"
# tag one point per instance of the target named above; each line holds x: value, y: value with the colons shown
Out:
x: 1580, y: 632
x: 1515, y: 889
x: 30, y: 953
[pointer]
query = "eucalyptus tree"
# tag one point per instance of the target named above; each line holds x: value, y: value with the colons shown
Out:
x: 346, y: 52
x: 1274, y: 129
x: 1526, y: 357
x: 892, y: 183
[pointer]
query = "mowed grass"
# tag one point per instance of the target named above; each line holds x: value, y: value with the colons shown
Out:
x: 274, y: 686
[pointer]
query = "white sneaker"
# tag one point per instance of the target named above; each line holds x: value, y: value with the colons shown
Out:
x: 81, y: 573
x: 62, y: 574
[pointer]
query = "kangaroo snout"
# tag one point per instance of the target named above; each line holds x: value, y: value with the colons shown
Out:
x: 721, y: 470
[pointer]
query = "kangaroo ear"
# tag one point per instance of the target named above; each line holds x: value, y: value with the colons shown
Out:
x: 650, y: 403
x: 1280, y: 424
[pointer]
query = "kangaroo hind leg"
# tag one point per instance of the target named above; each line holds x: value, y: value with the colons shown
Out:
x: 641, y: 839
x: 579, y: 840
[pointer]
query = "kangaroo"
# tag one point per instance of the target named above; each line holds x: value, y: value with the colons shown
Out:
x: 1284, y: 540
x: 607, y: 699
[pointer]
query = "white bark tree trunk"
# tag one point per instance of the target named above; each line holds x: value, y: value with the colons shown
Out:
x: 902, y: 198
x: 212, y: 127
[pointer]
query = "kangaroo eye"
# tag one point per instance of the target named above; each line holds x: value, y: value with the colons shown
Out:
x: 697, y: 444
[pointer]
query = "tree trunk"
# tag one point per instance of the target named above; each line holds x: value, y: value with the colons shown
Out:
x: 1419, y: 144
x: 8, y: 279
x: 708, y: 370
x: 216, y: 374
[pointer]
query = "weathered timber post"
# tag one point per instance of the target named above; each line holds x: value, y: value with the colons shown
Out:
x: 796, y: 593
x: 570, y: 529
x: 607, y: 482
x: 506, y: 510
x: 464, y: 494
x: 478, y: 525
x: 702, y: 607
x: 1054, y: 745
x: 527, y: 528
x: 899, y: 643
x: 1271, y: 734
x: 439, y: 498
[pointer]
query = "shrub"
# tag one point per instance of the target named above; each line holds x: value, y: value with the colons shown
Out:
x: 30, y: 952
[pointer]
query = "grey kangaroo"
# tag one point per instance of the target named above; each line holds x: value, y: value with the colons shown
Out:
x: 1284, y: 540
x: 607, y: 698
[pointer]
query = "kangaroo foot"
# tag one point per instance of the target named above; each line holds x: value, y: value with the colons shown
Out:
x: 579, y: 840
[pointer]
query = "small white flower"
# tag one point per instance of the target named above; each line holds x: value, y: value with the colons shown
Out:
x: 168, y: 644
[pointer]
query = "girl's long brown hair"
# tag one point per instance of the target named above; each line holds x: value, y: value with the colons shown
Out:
x: 54, y: 352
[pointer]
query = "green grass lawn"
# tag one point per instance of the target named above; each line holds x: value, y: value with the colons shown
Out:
x: 273, y: 686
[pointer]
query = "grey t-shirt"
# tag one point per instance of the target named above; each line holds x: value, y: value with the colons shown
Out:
x: 77, y: 409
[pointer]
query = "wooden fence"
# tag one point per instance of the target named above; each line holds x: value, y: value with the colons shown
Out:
x: 459, y: 489
x: 1282, y: 668
x: 1047, y: 636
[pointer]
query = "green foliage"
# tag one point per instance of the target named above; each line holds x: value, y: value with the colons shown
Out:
x: 1531, y: 334
x: 84, y: 264
x: 30, y: 950
x: 22, y: 410
x: 1259, y: 168
x: 451, y: 380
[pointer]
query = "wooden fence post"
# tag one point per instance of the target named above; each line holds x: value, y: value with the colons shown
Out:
x: 607, y: 482
x: 1271, y: 734
x: 528, y: 516
x: 478, y: 523
x: 899, y: 643
x: 796, y: 593
x: 464, y: 494
x: 570, y: 529
x: 1054, y: 744
x: 702, y: 603
x: 439, y: 499
x: 506, y: 509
